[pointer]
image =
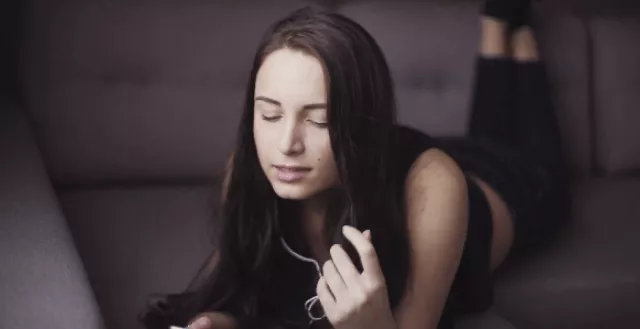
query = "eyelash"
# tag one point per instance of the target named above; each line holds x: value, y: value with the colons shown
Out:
x: 320, y: 124
x: 275, y: 118
x: 270, y: 119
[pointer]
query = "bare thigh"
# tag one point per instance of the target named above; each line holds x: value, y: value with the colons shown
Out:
x: 503, y: 230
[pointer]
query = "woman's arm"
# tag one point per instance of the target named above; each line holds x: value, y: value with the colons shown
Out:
x: 436, y: 203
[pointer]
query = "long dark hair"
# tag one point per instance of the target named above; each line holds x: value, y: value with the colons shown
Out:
x: 361, y: 117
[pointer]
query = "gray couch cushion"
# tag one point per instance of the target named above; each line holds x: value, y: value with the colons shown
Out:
x: 42, y: 280
x: 431, y: 48
x: 139, y: 241
x: 617, y: 85
x: 590, y: 278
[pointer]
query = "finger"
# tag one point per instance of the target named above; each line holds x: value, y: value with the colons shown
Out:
x: 334, y: 280
x: 345, y: 266
x: 365, y: 249
x: 367, y: 234
x: 325, y: 297
x: 201, y: 323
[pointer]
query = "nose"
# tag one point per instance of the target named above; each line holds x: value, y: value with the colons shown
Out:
x: 290, y: 142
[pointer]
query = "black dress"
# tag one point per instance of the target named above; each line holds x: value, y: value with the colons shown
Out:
x: 513, y: 145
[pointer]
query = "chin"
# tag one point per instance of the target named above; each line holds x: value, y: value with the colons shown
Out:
x: 292, y: 191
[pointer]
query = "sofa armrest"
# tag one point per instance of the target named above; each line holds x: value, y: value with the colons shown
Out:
x: 42, y: 279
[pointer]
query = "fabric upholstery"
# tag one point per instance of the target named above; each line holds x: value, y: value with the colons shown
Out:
x: 590, y: 278
x: 158, y: 95
x: 616, y: 83
x: 42, y: 280
x: 132, y: 90
x: 136, y: 242
x: 433, y: 78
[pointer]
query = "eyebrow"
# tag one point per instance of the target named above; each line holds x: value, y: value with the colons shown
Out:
x: 312, y: 106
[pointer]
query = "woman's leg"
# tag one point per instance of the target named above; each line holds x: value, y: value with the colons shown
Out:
x: 539, y: 137
x: 536, y: 121
x: 491, y: 119
x: 492, y: 103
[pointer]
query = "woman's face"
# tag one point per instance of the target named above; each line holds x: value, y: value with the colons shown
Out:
x: 290, y: 125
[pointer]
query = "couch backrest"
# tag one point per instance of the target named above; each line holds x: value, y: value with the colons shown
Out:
x: 124, y: 91
x: 133, y: 91
x: 432, y: 46
x: 616, y: 86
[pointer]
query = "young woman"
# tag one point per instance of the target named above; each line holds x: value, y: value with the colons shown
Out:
x: 336, y: 216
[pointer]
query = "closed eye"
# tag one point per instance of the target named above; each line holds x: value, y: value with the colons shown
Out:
x: 319, y: 124
x: 270, y: 118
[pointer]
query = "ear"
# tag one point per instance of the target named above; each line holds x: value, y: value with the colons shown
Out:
x: 367, y: 234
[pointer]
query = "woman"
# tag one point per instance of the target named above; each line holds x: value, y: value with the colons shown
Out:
x: 334, y: 215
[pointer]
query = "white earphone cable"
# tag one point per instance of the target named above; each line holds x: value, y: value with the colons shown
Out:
x: 311, y: 302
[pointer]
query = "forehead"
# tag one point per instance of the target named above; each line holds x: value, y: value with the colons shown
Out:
x: 291, y: 75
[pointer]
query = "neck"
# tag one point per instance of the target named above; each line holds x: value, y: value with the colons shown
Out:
x: 313, y: 214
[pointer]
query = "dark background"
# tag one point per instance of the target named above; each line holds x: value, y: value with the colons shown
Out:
x: 11, y: 31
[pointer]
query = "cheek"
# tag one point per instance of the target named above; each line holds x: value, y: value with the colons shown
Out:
x: 323, y: 157
x: 318, y: 145
x: 261, y: 134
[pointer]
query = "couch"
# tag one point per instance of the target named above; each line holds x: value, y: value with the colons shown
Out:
x: 111, y: 156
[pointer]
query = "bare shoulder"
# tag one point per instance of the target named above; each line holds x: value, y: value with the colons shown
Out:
x: 434, y: 169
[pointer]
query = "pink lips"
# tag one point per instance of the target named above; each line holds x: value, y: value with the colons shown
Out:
x: 290, y: 174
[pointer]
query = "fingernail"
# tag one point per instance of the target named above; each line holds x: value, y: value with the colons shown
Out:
x: 203, y: 322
